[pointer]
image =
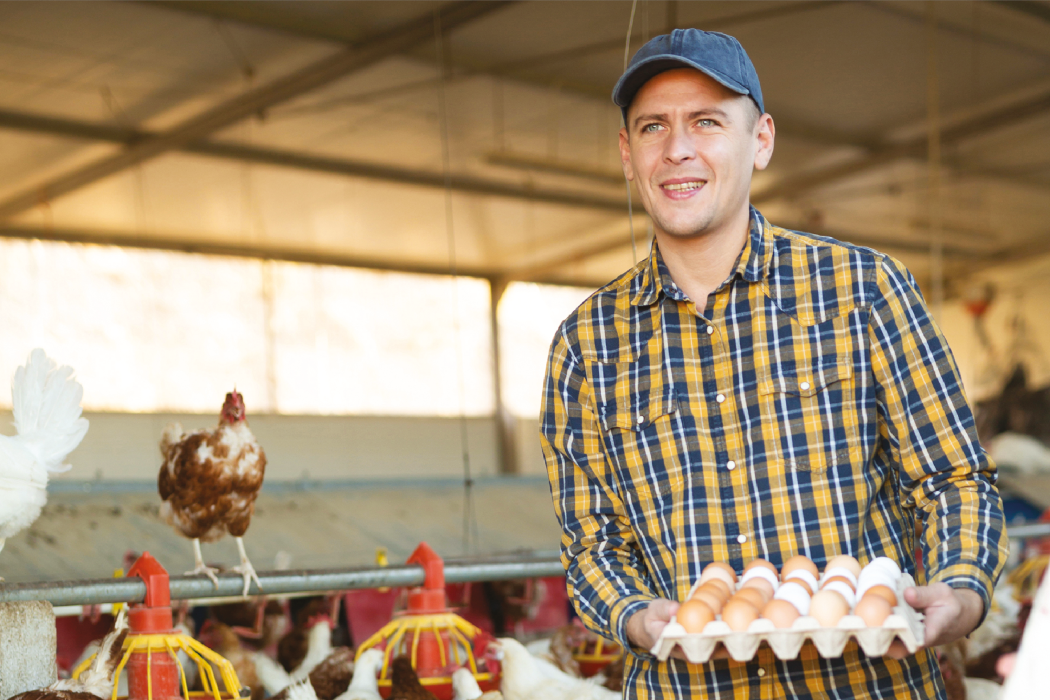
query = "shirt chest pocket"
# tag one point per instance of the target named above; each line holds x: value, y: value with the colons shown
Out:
x: 811, y: 413
x: 639, y: 438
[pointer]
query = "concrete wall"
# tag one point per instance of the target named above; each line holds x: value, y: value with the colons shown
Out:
x: 124, y: 446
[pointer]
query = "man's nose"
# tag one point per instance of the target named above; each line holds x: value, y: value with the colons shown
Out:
x: 679, y: 146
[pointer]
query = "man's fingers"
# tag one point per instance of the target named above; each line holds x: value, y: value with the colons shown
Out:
x: 921, y: 597
x: 663, y: 609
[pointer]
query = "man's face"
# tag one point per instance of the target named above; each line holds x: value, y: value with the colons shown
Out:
x: 691, y: 146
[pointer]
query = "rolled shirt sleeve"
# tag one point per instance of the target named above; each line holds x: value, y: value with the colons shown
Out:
x: 929, y: 430
x: 606, y: 577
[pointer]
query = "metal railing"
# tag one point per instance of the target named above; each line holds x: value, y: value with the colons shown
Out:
x: 133, y: 590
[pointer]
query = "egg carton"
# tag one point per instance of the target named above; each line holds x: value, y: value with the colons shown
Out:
x: 904, y: 623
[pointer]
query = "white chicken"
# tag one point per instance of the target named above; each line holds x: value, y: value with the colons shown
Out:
x: 365, y: 683
x: 1031, y: 673
x: 526, y: 677
x: 46, y: 407
x: 465, y: 687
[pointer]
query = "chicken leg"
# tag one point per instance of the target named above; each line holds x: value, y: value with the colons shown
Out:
x: 246, y: 569
x: 198, y: 564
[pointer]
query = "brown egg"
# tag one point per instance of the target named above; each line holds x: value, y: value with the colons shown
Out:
x: 800, y: 581
x: 738, y: 614
x: 728, y: 574
x: 884, y: 592
x: 694, y: 616
x: 761, y: 585
x: 846, y: 562
x: 751, y: 595
x: 873, y: 610
x: 798, y: 562
x: 839, y: 578
x: 760, y: 562
x: 828, y: 607
x: 717, y: 585
x: 711, y: 600
x: 781, y: 613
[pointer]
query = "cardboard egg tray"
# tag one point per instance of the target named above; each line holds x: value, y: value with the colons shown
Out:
x: 904, y: 623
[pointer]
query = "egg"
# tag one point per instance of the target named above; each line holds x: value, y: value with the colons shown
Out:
x: 751, y: 595
x: 844, y: 561
x: 842, y: 573
x: 844, y: 590
x: 804, y: 578
x: 840, y: 579
x: 717, y: 569
x: 761, y: 585
x: 875, y: 577
x: 781, y: 613
x: 795, y: 594
x: 798, y: 562
x: 873, y: 610
x: 755, y: 563
x: 886, y: 565
x: 828, y: 607
x: 738, y: 614
x: 694, y: 616
x: 711, y: 600
x: 718, y: 586
x: 884, y: 592
x: 761, y: 572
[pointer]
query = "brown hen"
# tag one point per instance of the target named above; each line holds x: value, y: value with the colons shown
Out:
x: 209, y: 482
x: 404, y: 683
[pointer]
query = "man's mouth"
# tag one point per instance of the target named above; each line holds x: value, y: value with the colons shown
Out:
x: 683, y: 186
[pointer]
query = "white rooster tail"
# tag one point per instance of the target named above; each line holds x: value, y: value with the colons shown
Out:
x: 46, y: 406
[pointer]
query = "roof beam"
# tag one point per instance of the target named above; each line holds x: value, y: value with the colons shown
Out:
x: 982, y: 124
x: 314, y: 163
x: 251, y: 102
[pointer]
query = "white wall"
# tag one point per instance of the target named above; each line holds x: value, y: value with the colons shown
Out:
x: 124, y: 446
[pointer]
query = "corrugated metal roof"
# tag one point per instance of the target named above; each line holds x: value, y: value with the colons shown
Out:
x: 87, y: 527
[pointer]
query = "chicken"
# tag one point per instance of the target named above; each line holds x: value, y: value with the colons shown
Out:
x: 97, y: 680
x: 45, y: 401
x: 329, y: 679
x: 229, y: 646
x: 465, y: 687
x: 1031, y: 674
x: 309, y: 642
x: 404, y: 683
x: 209, y: 482
x: 365, y: 683
x: 526, y: 677
x: 565, y: 639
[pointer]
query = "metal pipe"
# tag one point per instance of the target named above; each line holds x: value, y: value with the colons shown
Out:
x: 1020, y: 532
x: 133, y: 590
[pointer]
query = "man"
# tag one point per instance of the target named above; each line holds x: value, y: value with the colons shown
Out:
x: 750, y: 392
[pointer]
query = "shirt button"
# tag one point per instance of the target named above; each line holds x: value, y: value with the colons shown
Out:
x: 720, y: 398
x: 761, y: 672
x: 710, y: 330
x: 741, y: 539
x: 803, y: 386
x: 730, y: 464
x: 641, y: 419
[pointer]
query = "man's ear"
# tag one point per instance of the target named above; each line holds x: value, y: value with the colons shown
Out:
x: 625, y: 155
x: 765, y: 134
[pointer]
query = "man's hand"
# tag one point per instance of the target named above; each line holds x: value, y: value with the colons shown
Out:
x: 951, y: 613
x: 644, y: 627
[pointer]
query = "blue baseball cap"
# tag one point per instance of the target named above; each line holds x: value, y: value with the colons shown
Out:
x: 718, y: 55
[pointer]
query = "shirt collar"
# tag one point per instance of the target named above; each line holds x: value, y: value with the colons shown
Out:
x: 654, y: 279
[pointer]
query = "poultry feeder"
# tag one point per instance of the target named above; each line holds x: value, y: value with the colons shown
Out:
x: 595, y: 655
x: 152, y: 644
x: 435, y: 639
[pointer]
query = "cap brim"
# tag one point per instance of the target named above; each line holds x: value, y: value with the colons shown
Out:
x: 632, y: 81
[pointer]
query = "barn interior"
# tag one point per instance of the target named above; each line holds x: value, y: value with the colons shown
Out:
x: 370, y: 217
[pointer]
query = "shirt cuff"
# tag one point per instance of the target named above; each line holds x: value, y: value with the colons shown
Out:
x: 963, y: 576
x: 620, y: 613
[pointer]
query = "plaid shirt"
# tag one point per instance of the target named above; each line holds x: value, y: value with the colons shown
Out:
x: 813, y: 408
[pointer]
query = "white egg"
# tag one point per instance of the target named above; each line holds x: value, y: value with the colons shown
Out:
x: 761, y: 572
x: 885, y: 564
x: 842, y: 589
x: 809, y: 578
x: 794, y: 594
x: 840, y: 571
x: 875, y: 577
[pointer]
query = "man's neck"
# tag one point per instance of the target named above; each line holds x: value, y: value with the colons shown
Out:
x: 698, y: 265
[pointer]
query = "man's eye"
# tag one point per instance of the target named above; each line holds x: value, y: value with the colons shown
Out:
x: 650, y: 128
x: 706, y: 123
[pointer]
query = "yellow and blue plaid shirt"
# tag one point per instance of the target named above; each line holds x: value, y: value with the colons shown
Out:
x: 814, y: 407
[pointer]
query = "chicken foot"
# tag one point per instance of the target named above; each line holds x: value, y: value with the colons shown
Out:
x: 198, y: 564
x: 246, y: 569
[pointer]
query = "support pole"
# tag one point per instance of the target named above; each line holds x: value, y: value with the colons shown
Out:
x: 505, y: 424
